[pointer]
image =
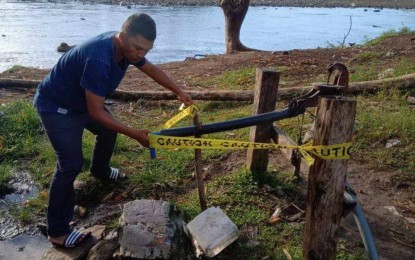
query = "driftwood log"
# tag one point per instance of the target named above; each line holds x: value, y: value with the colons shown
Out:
x: 406, y: 81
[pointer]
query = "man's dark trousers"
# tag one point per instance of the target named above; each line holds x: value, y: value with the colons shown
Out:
x: 65, y: 134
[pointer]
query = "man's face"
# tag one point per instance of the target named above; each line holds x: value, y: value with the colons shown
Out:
x: 135, y: 47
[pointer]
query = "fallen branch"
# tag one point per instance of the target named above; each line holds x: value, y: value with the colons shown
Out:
x: 196, y: 95
x: 18, y: 83
x: 406, y: 81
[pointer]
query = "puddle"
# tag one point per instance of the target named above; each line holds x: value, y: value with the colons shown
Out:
x: 24, y: 247
x: 19, y: 189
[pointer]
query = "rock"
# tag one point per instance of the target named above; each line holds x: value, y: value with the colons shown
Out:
x: 79, y: 185
x: 392, y: 142
x: 390, y: 54
x: 150, y: 229
x: 410, y: 220
x: 393, y: 210
x: 80, y: 211
x: 103, y: 250
x: 79, y: 252
x: 64, y: 47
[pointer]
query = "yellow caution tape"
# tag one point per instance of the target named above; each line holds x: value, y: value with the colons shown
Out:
x: 336, y: 151
x: 189, y: 111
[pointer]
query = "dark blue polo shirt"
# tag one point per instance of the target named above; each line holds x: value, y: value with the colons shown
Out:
x: 90, y: 66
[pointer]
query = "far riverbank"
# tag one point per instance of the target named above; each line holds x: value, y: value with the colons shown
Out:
x: 403, y: 4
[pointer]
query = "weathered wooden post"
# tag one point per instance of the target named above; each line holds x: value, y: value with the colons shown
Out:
x: 199, y: 170
x: 265, y: 98
x: 334, y: 125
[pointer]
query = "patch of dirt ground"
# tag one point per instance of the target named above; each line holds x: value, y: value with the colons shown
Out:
x: 395, y: 236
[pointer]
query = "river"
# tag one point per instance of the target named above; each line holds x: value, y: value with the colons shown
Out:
x: 31, y: 31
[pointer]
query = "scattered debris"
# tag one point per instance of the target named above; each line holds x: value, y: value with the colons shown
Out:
x: 296, y: 217
x: 392, y: 142
x: 388, y: 73
x: 287, y: 254
x: 393, y: 210
x: 275, y: 217
x: 250, y: 232
x: 411, y: 100
x: 80, y: 211
x: 403, y: 243
x: 410, y: 220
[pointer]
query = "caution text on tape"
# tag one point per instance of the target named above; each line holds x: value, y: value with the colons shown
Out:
x: 336, y: 151
x: 189, y: 111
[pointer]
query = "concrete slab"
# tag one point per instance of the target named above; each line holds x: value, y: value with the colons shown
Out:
x: 213, y: 231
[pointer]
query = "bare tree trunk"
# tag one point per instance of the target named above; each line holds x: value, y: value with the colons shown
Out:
x: 234, y: 11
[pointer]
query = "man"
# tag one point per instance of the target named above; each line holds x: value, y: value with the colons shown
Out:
x: 71, y: 98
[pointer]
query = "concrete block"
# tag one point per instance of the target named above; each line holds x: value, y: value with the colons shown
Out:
x: 150, y: 229
x: 213, y: 231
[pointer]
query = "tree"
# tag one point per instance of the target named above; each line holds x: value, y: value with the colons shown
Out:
x: 234, y: 11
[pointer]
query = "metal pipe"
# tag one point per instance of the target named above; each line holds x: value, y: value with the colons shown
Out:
x: 233, y: 124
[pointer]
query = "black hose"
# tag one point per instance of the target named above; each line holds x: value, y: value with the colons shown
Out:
x: 233, y: 124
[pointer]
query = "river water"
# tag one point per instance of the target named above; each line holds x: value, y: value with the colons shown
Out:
x: 31, y: 31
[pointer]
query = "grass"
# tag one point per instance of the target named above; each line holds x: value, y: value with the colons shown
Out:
x: 14, y: 69
x: 386, y: 35
x: 380, y: 118
x: 368, y: 66
x: 242, y: 78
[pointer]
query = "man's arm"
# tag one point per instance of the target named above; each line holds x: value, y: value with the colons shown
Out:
x: 96, y: 110
x: 161, y: 78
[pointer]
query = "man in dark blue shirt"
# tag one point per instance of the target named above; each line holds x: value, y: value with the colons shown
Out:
x: 71, y: 98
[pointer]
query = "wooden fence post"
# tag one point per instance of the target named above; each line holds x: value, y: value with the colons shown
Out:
x: 199, y: 171
x: 334, y: 125
x: 265, y: 98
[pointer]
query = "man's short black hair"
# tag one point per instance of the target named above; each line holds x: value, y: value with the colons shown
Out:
x: 140, y: 24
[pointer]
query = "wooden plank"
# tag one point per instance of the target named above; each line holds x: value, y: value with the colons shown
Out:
x: 266, y: 88
x: 282, y: 138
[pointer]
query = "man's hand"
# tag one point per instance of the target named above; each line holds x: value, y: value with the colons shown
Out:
x: 142, y: 137
x: 185, y: 98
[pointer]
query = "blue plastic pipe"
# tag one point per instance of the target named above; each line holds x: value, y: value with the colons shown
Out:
x: 365, y: 232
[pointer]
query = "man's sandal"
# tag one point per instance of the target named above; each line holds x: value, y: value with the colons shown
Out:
x: 75, y: 238
x: 115, y: 174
